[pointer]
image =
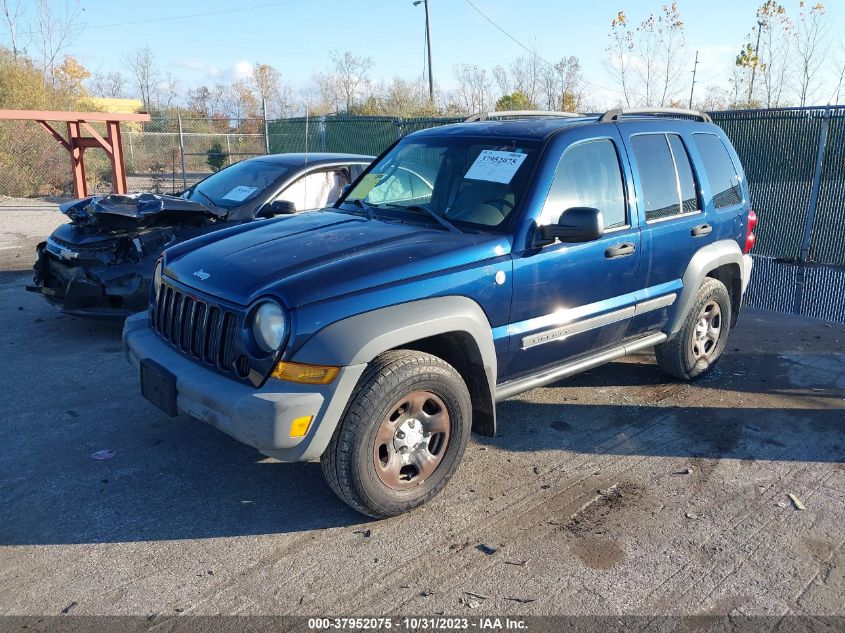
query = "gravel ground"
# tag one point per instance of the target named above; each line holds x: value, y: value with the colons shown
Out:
x: 616, y: 492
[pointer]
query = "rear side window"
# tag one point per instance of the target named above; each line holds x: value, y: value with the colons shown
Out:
x: 588, y: 175
x: 686, y: 181
x: 665, y: 174
x: 720, y: 170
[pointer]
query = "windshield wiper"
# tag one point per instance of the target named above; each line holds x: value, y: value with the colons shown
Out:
x: 367, y: 208
x: 205, y: 195
x: 433, y: 214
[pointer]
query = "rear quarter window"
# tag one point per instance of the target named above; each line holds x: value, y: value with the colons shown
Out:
x: 665, y: 176
x: 720, y: 170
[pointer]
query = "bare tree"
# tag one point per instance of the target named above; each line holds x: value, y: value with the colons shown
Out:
x: 646, y: 62
x: 276, y: 96
x: 350, y: 76
x: 167, y: 92
x: 198, y: 100
x: 473, y: 90
x: 406, y: 98
x: 671, y: 44
x: 812, y: 44
x: 502, y: 79
x: 526, y: 76
x: 839, y: 83
x: 266, y: 80
x: 110, y: 84
x: 776, y: 34
x: 620, y: 52
x: 145, y: 73
x: 12, y: 11
x: 715, y: 98
x: 56, y: 28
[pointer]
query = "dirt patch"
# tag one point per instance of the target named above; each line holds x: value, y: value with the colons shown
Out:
x: 593, y: 515
x: 598, y: 552
x: 819, y: 549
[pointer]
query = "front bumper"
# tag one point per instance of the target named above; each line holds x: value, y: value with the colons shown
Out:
x: 261, y: 417
x: 81, y: 290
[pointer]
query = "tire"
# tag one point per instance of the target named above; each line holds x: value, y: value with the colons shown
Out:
x: 407, y: 406
x: 696, y: 349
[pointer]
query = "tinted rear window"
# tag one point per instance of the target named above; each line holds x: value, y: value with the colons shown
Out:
x: 657, y: 175
x: 689, y: 201
x: 720, y: 170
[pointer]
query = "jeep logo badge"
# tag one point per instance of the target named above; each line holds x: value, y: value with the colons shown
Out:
x: 202, y: 274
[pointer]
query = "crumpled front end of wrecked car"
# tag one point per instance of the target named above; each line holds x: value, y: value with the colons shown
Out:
x: 101, y: 263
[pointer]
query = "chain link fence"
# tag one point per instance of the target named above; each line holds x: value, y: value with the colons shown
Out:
x: 794, y: 159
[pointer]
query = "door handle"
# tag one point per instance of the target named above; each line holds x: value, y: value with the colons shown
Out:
x: 620, y: 250
x: 701, y: 230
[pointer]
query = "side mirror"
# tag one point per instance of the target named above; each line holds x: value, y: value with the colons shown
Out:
x: 577, y: 224
x: 277, y: 207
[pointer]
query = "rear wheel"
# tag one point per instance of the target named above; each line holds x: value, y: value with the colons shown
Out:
x: 699, y: 344
x: 402, y: 436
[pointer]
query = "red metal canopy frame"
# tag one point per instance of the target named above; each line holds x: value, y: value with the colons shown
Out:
x: 76, y: 143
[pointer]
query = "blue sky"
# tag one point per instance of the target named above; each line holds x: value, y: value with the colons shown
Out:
x: 296, y: 35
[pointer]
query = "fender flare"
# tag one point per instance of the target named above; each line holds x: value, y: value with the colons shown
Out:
x: 359, y: 339
x: 705, y: 260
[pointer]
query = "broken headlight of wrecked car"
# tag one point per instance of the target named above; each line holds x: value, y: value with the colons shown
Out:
x: 99, y: 264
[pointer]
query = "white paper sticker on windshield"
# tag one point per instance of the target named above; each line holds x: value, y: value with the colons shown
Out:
x: 495, y: 166
x: 239, y: 193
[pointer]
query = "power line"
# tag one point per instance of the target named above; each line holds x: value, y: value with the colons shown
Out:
x: 523, y: 46
x: 508, y: 35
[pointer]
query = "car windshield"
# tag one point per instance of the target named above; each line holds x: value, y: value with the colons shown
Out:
x: 237, y: 184
x: 468, y: 182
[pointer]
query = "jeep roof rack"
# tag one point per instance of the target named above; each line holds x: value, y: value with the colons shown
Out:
x: 518, y: 114
x: 618, y: 113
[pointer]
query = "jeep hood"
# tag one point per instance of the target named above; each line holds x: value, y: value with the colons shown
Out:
x: 322, y: 254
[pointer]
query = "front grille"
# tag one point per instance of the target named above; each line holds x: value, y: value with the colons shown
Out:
x: 206, y: 332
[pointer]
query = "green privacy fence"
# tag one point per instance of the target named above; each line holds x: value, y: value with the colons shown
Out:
x: 354, y: 134
x: 795, y: 163
x: 794, y: 159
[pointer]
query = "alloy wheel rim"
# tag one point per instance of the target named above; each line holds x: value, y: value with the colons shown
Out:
x: 705, y: 334
x: 411, y: 440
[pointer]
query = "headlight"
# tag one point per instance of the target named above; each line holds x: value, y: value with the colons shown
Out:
x: 268, y: 326
x: 157, y: 278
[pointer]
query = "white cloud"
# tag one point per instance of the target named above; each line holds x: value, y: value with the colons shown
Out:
x: 241, y: 69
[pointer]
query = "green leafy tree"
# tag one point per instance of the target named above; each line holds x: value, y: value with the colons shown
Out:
x: 515, y: 101
x: 216, y: 157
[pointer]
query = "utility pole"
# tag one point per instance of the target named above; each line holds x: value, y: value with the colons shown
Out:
x: 428, y: 48
x: 692, y: 87
x: 760, y: 25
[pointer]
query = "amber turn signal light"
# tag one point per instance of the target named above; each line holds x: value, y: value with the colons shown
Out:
x: 299, y: 427
x: 308, y: 374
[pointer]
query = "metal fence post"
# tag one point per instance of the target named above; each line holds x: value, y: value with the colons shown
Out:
x: 182, y: 151
x: 266, y: 128
x: 817, y: 183
x: 228, y: 149
x: 399, y: 130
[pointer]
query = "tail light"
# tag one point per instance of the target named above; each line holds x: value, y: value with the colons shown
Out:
x: 750, y: 238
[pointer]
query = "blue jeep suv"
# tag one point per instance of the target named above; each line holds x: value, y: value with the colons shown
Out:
x: 467, y: 264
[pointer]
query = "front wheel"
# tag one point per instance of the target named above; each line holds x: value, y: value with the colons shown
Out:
x: 699, y: 344
x: 402, y: 435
